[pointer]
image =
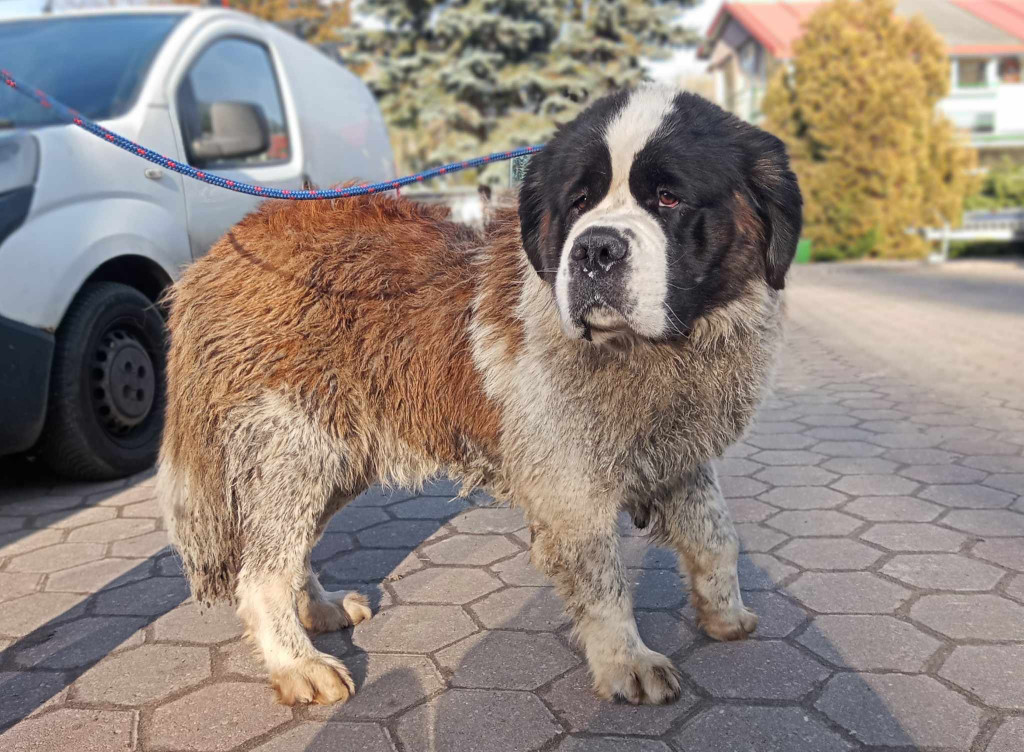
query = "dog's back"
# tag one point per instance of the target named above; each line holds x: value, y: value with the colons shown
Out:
x: 270, y: 343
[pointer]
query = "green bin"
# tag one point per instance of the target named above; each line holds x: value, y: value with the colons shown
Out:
x: 803, y: 252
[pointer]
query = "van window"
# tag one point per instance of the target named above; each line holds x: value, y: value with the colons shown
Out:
x: 94, y: 64
x: 232, y: 70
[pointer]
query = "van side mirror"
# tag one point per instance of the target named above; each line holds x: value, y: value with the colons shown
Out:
x: 236, y: 130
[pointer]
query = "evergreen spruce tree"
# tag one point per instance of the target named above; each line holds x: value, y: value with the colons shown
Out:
x: 464, y: 77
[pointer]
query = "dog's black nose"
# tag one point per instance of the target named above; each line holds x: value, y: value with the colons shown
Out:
x: 599, y: 249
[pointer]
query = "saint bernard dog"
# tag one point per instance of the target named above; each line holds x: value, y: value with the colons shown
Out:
x: 585, y: 355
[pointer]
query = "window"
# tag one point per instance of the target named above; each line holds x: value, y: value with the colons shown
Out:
x: 971, y: 72
x: 1009, y: 70
x: 112, y: 54
x: 235, y: 71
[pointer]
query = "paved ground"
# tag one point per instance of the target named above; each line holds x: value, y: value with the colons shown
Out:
x: 879, y: 499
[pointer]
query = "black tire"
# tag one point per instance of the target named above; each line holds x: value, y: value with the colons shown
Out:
x: 104, y: 422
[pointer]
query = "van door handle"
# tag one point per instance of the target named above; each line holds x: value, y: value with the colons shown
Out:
x: 153, y: 173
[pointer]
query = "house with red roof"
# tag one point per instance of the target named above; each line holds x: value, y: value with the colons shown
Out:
x: 750, y: 39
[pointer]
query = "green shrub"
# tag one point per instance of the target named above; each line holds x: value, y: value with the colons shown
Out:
x: 1001, y: 188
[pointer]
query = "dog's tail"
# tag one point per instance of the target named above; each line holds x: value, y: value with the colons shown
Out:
x: 203, y: 529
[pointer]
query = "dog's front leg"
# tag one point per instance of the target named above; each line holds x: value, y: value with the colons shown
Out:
x: 695, y: 521
x: 582, y: 559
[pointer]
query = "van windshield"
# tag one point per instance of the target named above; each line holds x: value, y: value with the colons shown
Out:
x: 94, y: 64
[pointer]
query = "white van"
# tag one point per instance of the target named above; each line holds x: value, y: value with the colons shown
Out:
x: 90, y: 236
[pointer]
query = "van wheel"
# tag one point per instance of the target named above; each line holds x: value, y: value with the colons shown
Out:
x: 107, y: 385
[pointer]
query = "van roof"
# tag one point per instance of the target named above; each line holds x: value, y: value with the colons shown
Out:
x: 198, y: 12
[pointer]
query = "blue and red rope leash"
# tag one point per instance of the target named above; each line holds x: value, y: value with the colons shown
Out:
x: 72, y: 116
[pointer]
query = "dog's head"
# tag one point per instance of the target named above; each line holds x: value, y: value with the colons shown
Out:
x: 652, y: 208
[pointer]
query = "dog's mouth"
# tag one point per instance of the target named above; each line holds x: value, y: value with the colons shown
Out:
x: 604, y: 326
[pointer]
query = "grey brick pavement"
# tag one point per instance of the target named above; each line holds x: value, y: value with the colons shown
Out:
x: 878, y: 500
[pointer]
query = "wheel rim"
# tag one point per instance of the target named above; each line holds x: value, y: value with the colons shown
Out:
x: 124, y: 381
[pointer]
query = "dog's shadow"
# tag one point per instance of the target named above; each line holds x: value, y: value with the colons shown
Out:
x: 519, y: 681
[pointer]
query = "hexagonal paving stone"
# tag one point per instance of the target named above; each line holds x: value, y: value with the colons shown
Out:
x: 56, y: 558
x: 796, y: 476
x: 900, y: 711
x: 941, y: 474
x: 14, y: 585
x: 968, y: 496
x: 656, y: 588
x: 330, y: 546
x: 142, y: 675
x: 72, y: 519
x: 780, y: 441
x: 777, y: 615
x: 472, y: 550
x: 869, y: 643
x: 739, y: 728
x: 445, y: 585
x: 893, y: 509
x: 240, y: 658
x: 758, y: 538
x: 533, y: 608
x: 754, y: 669
x: 150, y: 508
x: 385, y: 685
x: 1006, y: 552
x: 838, y: 433
x: 803, y: 497
x: 459, y: 719
x: 942, y: 572
x: 736, y: 487
x: 975, y: 617
x: 640, y: 553
x: 10, y: 524
x: 68, y: 730
x: 491, y: 520
x: 736, y: 466
x: 351, y: 519
x: 519, y: 571
x: 429, y: 508
x: 992, y: 672
x: 847, y: 449
x: 663, y: 632
x: 216, y: 718
x: 922, y: 456
x: 149, y: 544
x: 330, y: 737
x: 875, y: 485
x: 506, y: 660
x: 994, y: 464
x: 1015, y: 588
x: 1010, y: 482
x: 370, y: 565
x: 40, y: 505
x: 405, y: 534
x: 912, y: 536
x: 814, y: 523
x: 413, y: 629
x: 748, y: 510
x: 859, y: 466
x: 151, y: 597
x: 111, y: 530
x: 848, y: 593
x: 997, y: 523
x: 82, y: 642
x: 1009, y: 737
x: 97, y: 575
x: 610, y: 744
x: 119, y: 497
x: 573, y: 699
x: 829, y: 553
x: 28, y: 613
x: 191, y: 623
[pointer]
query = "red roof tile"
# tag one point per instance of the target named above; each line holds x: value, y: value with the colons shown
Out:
x: 1007, y: 15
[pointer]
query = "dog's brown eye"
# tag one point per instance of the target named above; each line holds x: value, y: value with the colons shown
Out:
x: 667, y: 200
x: 580, y: 203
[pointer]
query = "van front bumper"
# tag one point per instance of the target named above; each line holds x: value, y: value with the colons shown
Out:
x: 25, y: 357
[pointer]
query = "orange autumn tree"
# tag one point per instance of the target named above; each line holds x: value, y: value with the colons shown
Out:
x: 857, y: 109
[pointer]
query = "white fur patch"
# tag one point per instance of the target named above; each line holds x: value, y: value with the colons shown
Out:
x: 625, y: 136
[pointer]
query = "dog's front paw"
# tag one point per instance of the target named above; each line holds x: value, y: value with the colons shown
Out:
x: 323, y: 680
x: 648, y: 679
x: 336, y: 611
x: 734, y: 623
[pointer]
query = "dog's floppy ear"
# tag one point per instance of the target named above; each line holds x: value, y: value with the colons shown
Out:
x: 536, y: 214
x: 779, y: 204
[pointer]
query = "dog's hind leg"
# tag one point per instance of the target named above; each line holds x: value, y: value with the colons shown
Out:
x: 695, y: 521
x: 285, y: 476
x: 580, y: 554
